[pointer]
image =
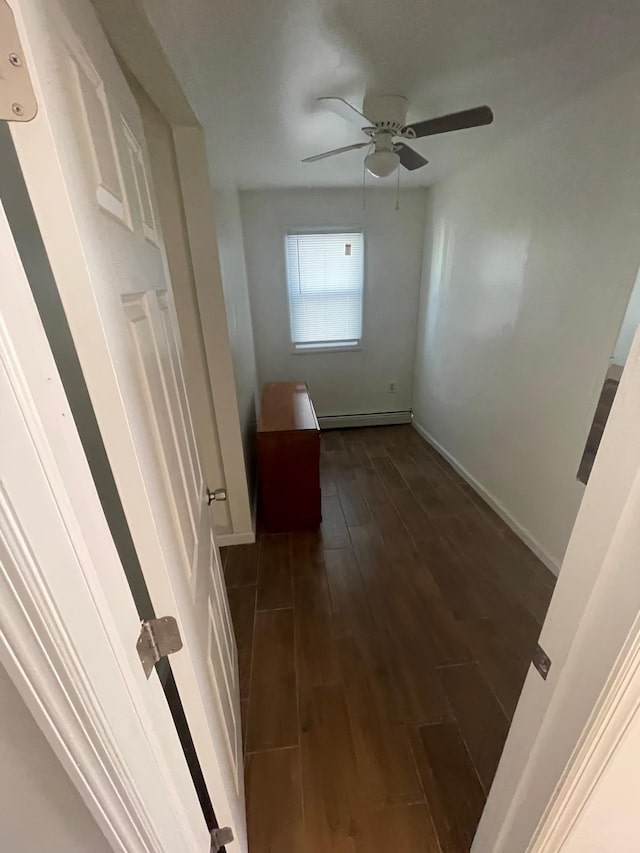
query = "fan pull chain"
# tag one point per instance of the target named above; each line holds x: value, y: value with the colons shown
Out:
x: 364, y: 176
x: 364, y: 185
x: 398, y: 190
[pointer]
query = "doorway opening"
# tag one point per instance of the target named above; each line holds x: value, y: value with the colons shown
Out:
x: 385, y: 653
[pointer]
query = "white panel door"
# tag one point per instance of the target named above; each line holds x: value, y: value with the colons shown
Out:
x: 68, y: 624
x: 85, y: 166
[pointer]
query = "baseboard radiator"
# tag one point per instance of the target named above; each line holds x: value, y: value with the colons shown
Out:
x: 370, y: 419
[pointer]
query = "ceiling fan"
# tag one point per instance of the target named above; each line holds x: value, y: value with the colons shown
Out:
x: 386, y: 116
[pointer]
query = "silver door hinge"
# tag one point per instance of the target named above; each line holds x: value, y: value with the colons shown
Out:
x: 541, y: 661
x: 216, y: 495
x: 220, y: 837
x: 158, y: 638
x: 17, y: 98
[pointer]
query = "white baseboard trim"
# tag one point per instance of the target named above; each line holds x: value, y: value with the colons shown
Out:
x: 520, y: 531
x: 373, y: 419
x: 245, y: 537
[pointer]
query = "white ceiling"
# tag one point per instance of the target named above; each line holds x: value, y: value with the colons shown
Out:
x: 252, y: 70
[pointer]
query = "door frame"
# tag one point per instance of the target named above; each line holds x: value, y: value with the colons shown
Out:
x: 61, y: 624
x: 137, y: 48
x: 615, y: 712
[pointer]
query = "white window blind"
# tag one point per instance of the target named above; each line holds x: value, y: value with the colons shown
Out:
x: 324, y: 281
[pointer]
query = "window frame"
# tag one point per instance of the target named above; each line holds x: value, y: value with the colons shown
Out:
x: 325, y: 347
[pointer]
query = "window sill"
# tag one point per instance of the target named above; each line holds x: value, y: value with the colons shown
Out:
x: 316, y: 350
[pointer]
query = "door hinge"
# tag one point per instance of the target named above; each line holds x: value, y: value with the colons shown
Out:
x: 541, y: 661
x: 17, y: 98
x: 220, y: 837
x: 158, y: 638
x: 216, y: 495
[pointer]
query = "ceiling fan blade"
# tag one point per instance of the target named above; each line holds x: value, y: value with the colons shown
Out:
x: 345, y: 110
x: 336, y: 151
x: 409, y: 158
x: 454, y: 121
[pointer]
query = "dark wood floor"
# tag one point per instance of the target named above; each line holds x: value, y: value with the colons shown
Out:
x: 381, y: 658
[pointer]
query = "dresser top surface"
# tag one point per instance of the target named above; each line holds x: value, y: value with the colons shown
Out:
x: 286, y: 407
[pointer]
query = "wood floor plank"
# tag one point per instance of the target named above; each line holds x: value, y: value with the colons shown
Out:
x: 538, y: 582
x: 333, y: 529
x: 334, y: 812
x: 388, y: 473
x: 401, y: 625
x: 464, y: 598
x: 274, y: 801
x: 332, y: 439
x: 407, y: 467
x: 273, y: 705
x: 443, y: 640
x: 437, y: 495
x: 306, y: 553
x: 394, y: 534
x: 316, y: 655
x: 372, y: 488
x: 341, y: 466
x: 358, y: 456
x: 327, y: 482
x: 354, y: 506
x: 384, y: 760
x: 241, y: 565
x: 371, y: 555
x: 481, y: 721
x: 275, y: 587
x: 242, y: 603
x: 406, y: 829
x: 351, y: 611
x: 417, y: 691
x: 452, y: 788
x: 412, y: 569
x: 413, y: 517
x: 504, y: 655
x: 373, y: 442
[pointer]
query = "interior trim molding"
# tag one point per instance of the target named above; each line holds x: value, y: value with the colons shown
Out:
x: 245, y: 537
x: 520, y: 531
x: 615, y: 710
x: 372, y: 419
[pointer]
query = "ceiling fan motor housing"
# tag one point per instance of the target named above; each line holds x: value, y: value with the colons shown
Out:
x: 389, y: 115
x: 389, y: 110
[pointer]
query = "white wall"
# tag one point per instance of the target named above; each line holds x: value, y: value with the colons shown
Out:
x: 40, y: 810
x: 530, y: 263
x: 236, y: 298
x: 629, y: 325
x: 351, y: 382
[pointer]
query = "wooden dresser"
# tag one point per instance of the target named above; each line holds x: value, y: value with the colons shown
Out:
x: 288, y: 458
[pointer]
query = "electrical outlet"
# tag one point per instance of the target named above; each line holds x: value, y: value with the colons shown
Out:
x: 392, y: 386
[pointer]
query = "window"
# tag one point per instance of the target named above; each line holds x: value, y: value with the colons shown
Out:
x: 324, y: 282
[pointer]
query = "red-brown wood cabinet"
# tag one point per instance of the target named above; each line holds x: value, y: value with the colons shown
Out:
x: 288, y: 442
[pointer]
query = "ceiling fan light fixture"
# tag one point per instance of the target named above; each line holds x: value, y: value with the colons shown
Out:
x: 381, y: 163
